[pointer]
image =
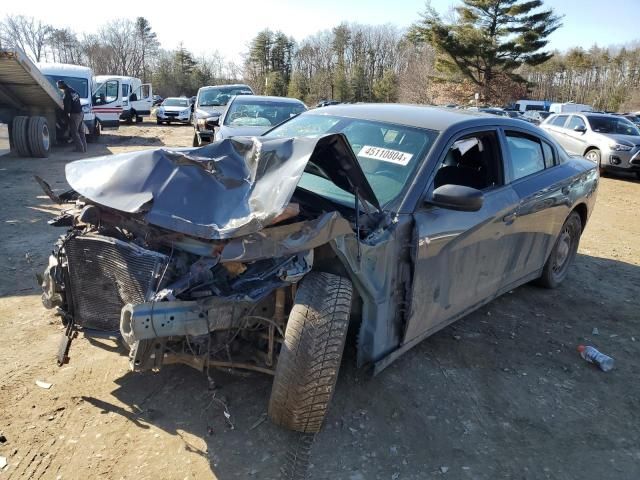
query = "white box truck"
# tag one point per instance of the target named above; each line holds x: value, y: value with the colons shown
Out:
x: 569, y: 107
x: 29, y: 107
x: 137, y: 97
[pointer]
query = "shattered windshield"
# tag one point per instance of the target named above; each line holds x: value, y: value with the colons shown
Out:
x: 387, y: 153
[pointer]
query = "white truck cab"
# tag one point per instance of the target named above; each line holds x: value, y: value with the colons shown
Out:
x: 137, y: 97
x: 101, y: 103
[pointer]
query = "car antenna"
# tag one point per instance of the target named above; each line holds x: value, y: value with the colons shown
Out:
x: 358, y: 223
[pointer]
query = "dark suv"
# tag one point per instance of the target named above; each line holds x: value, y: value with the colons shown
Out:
x: 210, y: 103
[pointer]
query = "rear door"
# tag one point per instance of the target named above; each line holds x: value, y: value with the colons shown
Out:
x: 556, y: 128
x: 532, y: 170
x: 107, y: 103
x: 461, y: 258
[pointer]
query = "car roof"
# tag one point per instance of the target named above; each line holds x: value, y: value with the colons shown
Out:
x: 231, y: 85
x: 420, y: 116
x: 265, y: 98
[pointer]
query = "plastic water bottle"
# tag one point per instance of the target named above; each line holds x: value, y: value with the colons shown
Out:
x: 592, y: 355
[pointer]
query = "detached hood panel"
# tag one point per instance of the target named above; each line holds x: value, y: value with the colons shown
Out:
x: 226, y: 189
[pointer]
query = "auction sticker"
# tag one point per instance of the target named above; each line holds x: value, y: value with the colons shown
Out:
x: 385, y: 155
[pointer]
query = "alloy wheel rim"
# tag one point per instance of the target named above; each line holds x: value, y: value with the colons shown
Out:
x: 562, y: 251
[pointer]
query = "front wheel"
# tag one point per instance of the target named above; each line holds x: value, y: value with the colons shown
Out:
x: 595, y: 156
x: 311, y: 353
x: 563, y: 253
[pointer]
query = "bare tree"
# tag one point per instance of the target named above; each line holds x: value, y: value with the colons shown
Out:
x: 26, y: 33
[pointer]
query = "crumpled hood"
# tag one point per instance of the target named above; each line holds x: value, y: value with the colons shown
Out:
x: 229, y: 188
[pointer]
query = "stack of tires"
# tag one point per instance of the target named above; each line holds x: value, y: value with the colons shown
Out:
x: 30, y: 136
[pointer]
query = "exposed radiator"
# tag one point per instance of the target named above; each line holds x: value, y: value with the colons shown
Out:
x: 106, y: 274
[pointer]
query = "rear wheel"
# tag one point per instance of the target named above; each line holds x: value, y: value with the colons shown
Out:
x: 595, y: 156
x: 138, y: 119
x: 563, y: 253
x: 95, y: 135
x: 310, y: 358
x: 38, y: 137
x: 19, y: 135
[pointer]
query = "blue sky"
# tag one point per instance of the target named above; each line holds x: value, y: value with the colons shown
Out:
x: 209, y: 26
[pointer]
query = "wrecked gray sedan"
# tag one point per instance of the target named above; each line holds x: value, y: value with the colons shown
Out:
x: 257, y: 253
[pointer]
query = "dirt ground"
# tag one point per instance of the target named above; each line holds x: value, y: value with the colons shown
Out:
x: 500, y: 394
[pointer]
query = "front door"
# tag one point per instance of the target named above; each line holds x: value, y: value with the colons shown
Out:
x: 575, y: 141
x: 107, y: 103
x: 461, y: 258
x: 142, y: 99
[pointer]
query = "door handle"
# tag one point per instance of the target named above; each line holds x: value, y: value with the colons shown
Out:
x: 509, y: 218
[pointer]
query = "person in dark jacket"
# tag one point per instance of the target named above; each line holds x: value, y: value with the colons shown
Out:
x: 73, y: 109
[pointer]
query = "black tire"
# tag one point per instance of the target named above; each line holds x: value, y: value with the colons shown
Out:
x: 19, y: 134
x: 130, y: 117
x: 158, y: 122
x: 595, y: 156
x: 39, y: 138
x: 95, y: 135
x: 311, y: 353
x: 138, y: 119
x: 564, y: 251
x: 196, y: 140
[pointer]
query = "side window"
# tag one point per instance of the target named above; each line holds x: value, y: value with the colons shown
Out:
x: 106, y: 93
x: 574, y: 122
x: 549, y: 157
x: 559, y: 120
x: 525, y: 153
x: 145, y: 91
x: 472, y: 161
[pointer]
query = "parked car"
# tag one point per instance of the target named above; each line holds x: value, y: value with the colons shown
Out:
x: 326, y: 103
x: 157, y: 100
x: 612, y: 142
x: 249, y: 115
x: 174, y: 109
x: 493, y: 111
x: 635, y: 119
x: 210, y: 102
x: 535, y: 116
x: 257, y: 252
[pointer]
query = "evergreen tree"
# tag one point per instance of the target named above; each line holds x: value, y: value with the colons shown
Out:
x: 148, y: 42
x: 489, y: 38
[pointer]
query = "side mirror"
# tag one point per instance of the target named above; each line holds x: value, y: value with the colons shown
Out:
x: 457, y: 197
x: 133, y: 97
x: 579, y: 129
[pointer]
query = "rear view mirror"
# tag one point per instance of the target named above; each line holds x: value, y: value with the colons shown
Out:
x: 579, y: 129
x: 457, y: 197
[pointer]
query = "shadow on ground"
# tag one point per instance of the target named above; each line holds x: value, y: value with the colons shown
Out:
x: 501, y: 393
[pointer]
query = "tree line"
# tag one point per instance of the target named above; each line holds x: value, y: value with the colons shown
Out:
x: 494, y: 48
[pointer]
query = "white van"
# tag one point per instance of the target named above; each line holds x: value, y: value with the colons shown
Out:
x: 569, y: 107
x: 137, y: 97
x: 101, y: 103
x: 526, y: 105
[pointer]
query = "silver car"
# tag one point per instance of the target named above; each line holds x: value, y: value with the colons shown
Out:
x: 175, y: 109
x: 610, y: 141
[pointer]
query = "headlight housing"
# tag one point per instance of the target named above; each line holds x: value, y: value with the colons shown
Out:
x: 202, y: 122
x: 620, y: 147
x: 186, y: 111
